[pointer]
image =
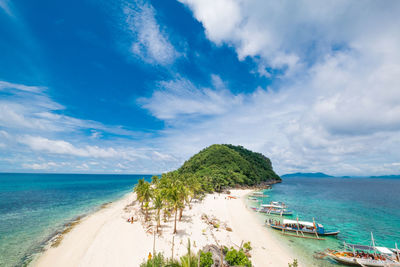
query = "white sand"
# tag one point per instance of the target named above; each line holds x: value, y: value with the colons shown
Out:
x: 105, y: 238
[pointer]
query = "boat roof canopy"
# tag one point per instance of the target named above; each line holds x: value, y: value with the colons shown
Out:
x: 382, y: 250
x: 271, y: 206
x: 286, y: 221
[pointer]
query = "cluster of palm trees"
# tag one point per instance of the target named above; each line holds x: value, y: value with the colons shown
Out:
x: 169, y: 194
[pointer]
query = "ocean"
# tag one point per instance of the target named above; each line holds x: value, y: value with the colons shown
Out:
x: 34, y: 207
x: 355, y: 206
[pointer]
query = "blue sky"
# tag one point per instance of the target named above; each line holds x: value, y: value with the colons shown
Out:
x: 140, y: 86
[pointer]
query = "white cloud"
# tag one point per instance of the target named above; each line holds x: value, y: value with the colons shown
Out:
x: 150, y: 42
x: 180, y: 97
x: 287, y: 33
x: 39, y: 166
x: 14, y: 86
x: 63, y: 147
x: 28, y: 108
x: 31, y: 129
x: 5, y: 5
x: 336, y: 107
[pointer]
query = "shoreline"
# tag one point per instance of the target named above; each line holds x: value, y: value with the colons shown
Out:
x: 105, y: 238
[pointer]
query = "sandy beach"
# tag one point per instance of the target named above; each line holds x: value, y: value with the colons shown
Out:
x: 105, y: 238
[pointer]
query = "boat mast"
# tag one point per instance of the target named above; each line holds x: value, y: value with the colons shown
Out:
x: 373, y: 243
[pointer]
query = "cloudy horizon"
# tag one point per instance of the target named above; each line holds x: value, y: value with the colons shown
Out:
x: 140, y: 86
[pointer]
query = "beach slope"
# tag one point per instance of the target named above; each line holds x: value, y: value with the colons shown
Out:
x: 105, y: 238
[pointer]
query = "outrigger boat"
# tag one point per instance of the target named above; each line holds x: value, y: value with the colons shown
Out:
x: 301, y: 229
x: 361, y: 255
x: 258, y: 194
x: 253, y: 199
x: 275, y: 209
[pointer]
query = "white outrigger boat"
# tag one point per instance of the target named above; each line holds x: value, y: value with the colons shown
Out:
x: 275, y: 208
x: 361, y: 255
x: 301, y: 229
x: 258, y: 194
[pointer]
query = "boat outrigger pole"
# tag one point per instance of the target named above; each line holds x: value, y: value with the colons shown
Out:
x: 298, y: 226
x: 315, y: 227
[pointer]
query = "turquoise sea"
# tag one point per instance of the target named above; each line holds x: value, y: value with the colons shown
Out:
x: 355, y: 206
x: 34, y: 207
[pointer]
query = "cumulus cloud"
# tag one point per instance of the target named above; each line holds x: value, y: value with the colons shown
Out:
x: 39, y: 166
x: 336, y: 106
x: 149, y: 41
x: 63, y: 147
x: 34, y: 135
x: 29, y: 108
x: 174, y: 98
x: 286, y: 34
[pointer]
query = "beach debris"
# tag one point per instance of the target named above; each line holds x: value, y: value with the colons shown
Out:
x: 215, y: 223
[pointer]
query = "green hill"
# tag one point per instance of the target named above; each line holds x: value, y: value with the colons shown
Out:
x: 228, y: 165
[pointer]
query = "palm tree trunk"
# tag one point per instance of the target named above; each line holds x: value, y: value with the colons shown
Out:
x: 158, y: 219
x: 180, y: 214
x: 176, y: 212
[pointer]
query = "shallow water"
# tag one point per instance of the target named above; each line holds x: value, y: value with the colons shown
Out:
x: 33, y: 207
x: 355, y: 206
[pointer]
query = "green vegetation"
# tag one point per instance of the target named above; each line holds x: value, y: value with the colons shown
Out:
x: 206, y: 259
x: 237, y: 258
x: 212, y: 169
x: 220, y: 166
x: 294, y: 264
x: 190, y: 259
x: 247, y: 246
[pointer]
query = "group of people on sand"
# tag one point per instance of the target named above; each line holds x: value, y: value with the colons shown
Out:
x: 131, y: 220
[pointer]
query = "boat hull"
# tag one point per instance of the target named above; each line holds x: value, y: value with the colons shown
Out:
x: 285, y: 213
x: 362, y: 262
x: 278, y: 227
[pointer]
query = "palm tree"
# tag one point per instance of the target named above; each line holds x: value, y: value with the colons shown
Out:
x: 183, y: 197
x: 158, y: 204
x: 194, y: 187
x: 147, y: 193
x: 175, y: 201
x: 138, y: 189
x: 154, y: 179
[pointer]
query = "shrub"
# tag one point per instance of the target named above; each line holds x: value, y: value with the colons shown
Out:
x: 237, y: 258
x: 294, y: 264
x: 158, y: 260
x: 206, y: 259
x: 247, y: 246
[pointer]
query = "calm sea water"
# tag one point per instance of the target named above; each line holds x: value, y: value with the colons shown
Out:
x: 355, y: 206
x: 33, y: 207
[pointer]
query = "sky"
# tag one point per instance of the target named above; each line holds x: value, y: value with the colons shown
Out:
x: 137, y: 86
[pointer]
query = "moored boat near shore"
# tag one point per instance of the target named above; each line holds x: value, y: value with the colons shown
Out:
x: 258, y: 194
x: 301, y: 229
x: 275, y: 209
x: 362, y: 255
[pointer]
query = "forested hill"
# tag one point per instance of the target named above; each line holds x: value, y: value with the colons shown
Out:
x: 229, y: 165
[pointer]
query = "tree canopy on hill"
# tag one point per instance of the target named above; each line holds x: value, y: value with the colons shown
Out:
x: 220, y: 166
